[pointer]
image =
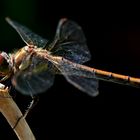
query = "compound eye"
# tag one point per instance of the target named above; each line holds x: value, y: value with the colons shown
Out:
x: 1, y: 59
x: 4, y: 66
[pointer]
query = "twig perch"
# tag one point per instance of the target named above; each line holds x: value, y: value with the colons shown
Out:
x: 12, y: 114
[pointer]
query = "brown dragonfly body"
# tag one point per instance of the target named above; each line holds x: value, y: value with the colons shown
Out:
x: 33, y: 67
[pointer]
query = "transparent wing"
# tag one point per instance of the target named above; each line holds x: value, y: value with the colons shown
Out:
x: 36, y: 78
x: 29, y: 37
x: 79, y: 76
x: 87, y: 85
x: 70, y: 42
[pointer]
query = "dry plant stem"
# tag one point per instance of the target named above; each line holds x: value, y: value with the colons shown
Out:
x: 13, y: 114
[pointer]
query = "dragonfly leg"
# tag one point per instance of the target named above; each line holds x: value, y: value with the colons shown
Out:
x: 4, y: 78
x: 17, y: 122
x: 4, y: 88
x: 31, y: 105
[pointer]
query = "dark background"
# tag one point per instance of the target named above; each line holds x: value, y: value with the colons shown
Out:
x: 113, y: 37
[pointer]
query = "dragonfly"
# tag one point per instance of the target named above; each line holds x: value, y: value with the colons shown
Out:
x: 32, y: 69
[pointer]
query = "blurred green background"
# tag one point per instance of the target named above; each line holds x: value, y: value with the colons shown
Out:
x: 23, y: 11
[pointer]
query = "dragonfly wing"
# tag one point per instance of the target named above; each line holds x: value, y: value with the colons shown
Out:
x: 29, y: 37
x: 80, y: 76
x: 87, y: 85
x: 71, y: 42
x: 37, y: 78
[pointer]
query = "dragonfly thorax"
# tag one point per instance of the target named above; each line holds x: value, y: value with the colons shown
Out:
x: 23, y: 54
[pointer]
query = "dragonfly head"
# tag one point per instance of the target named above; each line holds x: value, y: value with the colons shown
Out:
x: 4, y: 64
